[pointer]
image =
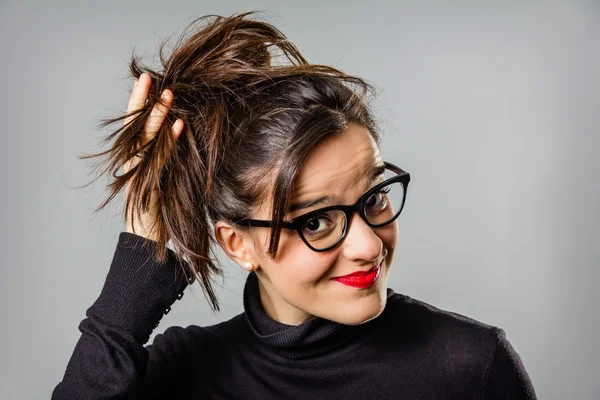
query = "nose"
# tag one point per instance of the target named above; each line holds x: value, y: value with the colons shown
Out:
x: 361, y: 242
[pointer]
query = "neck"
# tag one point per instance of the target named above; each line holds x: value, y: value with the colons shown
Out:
x: 277, y: 308
x: 313, y: 337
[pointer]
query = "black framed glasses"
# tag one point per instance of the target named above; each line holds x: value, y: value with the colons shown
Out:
x: 325, y: 228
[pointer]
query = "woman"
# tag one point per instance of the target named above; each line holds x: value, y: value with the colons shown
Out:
x: 280, y: 166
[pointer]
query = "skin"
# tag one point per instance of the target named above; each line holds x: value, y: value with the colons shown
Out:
x: 142, y: 223
x: 296, y: 286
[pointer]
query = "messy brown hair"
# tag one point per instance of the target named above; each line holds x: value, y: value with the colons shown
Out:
x: 249, y: 124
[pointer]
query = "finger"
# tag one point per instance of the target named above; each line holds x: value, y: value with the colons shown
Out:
x: 138, y: 96
x: 177, y: 128
x: 157, y: 115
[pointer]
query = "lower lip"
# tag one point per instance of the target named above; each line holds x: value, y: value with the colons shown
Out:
x: 361, y: 282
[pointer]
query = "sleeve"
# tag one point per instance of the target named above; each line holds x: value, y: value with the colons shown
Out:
x: 506, y: 376
x: 109, y: 360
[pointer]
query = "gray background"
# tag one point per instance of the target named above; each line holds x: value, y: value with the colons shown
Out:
x: 492, y: 108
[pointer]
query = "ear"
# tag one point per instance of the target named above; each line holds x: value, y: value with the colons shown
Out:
x: 236, y: 243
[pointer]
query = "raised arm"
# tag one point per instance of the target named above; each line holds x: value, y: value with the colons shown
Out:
x: 110, y: 360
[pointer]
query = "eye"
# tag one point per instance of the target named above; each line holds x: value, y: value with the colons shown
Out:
x: 378, y: 199
x: 317, y: 226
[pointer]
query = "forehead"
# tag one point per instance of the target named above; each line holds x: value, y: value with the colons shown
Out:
x: 338, y: 162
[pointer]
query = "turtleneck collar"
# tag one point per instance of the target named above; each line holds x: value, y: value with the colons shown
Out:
x: 311, y: 338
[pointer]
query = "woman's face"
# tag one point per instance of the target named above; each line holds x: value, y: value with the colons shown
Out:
x: 298, y: 284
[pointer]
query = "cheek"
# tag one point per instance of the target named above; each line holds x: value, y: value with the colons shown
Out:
x: 296, y: 266
x: 299, y: 265
x: 389, y: 237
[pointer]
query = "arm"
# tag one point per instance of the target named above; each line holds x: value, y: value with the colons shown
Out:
x: 110, y: 360
x: 507, y: 377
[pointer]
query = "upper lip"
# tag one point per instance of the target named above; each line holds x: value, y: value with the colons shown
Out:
x: 359, y: 273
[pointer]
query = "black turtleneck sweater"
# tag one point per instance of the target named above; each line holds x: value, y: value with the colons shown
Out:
x: 411, y: 351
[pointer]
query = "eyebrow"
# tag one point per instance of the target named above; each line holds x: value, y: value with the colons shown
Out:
x: 375, y: 172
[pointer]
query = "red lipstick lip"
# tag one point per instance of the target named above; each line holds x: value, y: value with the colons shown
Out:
x: 361, y: 280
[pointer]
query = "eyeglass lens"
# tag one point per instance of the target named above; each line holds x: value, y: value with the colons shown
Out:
x: 381, y: 207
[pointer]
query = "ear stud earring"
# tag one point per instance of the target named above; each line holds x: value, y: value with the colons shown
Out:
x: 248, y: 266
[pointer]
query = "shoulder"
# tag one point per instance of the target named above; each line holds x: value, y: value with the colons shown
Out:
x: 456, y: 339
x: 186, y: 340
x: 184, y: 354
x: 427, y: 318
x: 507, y: 376
x: 459, y: 348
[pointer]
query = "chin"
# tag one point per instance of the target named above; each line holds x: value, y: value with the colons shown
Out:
x: 363, y: 310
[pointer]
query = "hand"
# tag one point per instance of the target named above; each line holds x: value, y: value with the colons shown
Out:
x: 152, y: 126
